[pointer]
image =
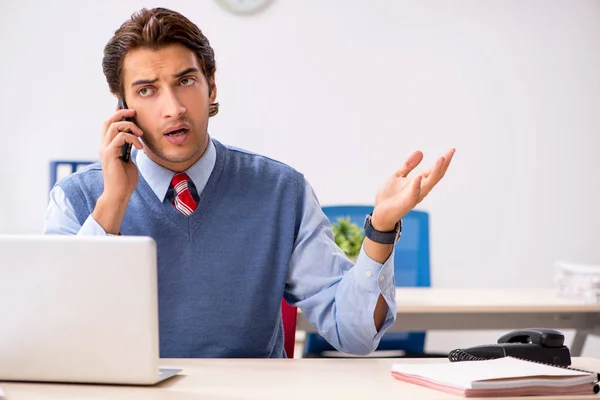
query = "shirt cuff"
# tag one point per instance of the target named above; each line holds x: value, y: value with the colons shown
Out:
x: 373, y: 276
x: 92, y: 228
x: 378, y: 278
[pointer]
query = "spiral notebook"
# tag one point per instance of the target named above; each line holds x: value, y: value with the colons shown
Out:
x: 498, y: 377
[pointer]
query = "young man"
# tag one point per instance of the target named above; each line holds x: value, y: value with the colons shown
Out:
x: 235, y: 231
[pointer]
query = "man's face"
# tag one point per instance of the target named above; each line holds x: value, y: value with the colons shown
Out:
x: 170, y: 96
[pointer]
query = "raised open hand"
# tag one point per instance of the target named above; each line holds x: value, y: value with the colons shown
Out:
x: 401, y: 192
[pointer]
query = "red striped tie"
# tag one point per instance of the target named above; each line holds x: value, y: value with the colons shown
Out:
x: 183, y: 202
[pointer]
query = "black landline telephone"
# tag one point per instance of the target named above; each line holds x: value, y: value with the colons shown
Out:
x: 534, y: 344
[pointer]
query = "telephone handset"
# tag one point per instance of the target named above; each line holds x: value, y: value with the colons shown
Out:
x: 126, y: 148
x: 535, y: 344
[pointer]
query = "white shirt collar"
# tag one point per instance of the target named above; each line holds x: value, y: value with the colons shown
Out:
x: 159, y: 177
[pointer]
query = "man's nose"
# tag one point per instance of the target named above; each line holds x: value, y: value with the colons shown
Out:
x: 173, y: 109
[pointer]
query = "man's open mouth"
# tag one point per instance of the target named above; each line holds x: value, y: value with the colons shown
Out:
x: 178, y: 132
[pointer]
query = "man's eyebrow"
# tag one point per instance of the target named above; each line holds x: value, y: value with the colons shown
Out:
x: 185, y: 72
x: 144, y: 82
x: 177, y: 75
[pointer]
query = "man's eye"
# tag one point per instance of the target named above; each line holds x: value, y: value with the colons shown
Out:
x: 187, y: 81
x: 144, y: 92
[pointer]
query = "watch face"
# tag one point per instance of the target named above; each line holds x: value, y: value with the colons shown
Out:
x: 244, y: 7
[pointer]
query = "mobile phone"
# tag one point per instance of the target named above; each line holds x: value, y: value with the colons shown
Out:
x: 126, y: 148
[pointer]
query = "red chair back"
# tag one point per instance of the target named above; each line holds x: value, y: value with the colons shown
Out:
x: 289, y: 315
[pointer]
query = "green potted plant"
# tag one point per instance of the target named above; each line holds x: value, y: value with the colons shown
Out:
x: 349, y: 237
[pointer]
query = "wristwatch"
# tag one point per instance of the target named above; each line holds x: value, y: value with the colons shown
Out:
x: 390, y: 237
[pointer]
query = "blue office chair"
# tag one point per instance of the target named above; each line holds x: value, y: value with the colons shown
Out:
x: 411, y: 268
x: 72, y: 167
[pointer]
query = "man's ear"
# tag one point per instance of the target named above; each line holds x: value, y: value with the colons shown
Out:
x: 212, y: 90
x: 213, y: 106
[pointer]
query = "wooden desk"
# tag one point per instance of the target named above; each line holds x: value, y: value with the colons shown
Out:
x: 263, y: 379
x: 421, y: 309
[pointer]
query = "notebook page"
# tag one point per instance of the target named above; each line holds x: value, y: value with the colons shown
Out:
x: 546, y: 381
x: 470, y: 374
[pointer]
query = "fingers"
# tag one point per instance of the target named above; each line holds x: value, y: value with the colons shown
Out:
x: 410, y: 164
x: 122, y: 126
x: 434, y: 175
x: 416, y: 188
x: 119, y: 115
x: 113, y: 149
x: 448, y: 156
x: 125, y: 137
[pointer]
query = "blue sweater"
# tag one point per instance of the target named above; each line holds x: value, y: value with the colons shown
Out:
x: 237, y: 288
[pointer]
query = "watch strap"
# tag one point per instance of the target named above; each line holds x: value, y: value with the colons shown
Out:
x: 390, y: 237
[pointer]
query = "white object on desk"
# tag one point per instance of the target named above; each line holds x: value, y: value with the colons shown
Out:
x: 79, y: 309
x: 578, y: 281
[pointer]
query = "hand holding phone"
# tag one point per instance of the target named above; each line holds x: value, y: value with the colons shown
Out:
x: 126, y: 148
x: 120, y: 178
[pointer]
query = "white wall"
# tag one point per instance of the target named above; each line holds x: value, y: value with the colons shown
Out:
x: 344, y: 94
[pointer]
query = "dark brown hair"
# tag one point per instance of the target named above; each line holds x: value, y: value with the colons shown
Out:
x: 155, y: 29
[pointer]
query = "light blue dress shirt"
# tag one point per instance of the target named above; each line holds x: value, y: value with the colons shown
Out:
x: 314, y: 250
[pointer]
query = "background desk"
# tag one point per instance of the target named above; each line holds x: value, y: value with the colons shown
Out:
x: 421, y: 309
x: 263, y: 379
